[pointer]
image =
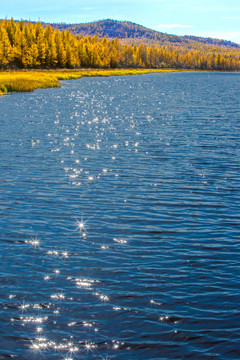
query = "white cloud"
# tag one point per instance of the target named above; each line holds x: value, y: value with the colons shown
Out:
x: 231, y: 17
x: 172, y: 26
x: 216, y: 9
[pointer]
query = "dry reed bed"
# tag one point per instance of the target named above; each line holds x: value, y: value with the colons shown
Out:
x: 21, y: 81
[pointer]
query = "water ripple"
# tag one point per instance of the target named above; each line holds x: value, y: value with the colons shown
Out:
x: 119, y: 209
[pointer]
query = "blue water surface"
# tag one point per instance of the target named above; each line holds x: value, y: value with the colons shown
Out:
x: 120, y: 214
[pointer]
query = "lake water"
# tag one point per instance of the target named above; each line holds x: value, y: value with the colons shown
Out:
x: 120, y: 214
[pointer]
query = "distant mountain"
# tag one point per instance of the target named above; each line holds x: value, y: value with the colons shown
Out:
x: 130, y: 32
x: 25, y: 44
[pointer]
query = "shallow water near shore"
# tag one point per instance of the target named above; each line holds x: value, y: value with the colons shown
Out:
x: 120, y: 214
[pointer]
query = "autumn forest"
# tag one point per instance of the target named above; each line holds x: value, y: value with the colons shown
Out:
x: 27, y: 45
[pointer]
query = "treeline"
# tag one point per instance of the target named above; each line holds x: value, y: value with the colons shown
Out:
x: 28, y: 45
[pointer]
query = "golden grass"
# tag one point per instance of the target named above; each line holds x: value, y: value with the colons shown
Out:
x: 20, y: 81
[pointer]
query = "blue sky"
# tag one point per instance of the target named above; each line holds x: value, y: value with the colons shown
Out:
x: 214, y: 18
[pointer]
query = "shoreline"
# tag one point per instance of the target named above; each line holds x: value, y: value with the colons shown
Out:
x: 30, y: 80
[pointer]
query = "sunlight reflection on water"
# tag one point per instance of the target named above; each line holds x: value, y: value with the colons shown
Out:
x: 119, y: 219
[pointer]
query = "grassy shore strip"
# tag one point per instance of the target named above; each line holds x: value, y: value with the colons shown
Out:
x: 21, y: 81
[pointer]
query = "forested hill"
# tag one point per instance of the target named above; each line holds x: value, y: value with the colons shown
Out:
x: 35, y: 45
x: 130, y: 32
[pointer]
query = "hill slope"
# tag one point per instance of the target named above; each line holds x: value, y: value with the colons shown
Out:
x: 131, y: 32
x: 36, y: 45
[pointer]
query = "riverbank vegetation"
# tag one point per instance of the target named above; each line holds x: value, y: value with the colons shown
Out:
x: 29, y: 80
x: 27, y: 45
